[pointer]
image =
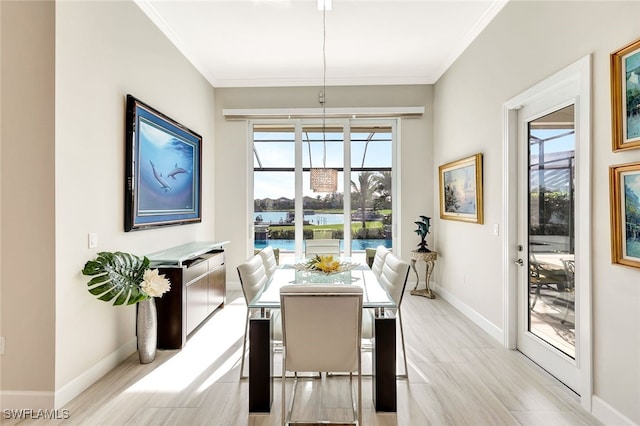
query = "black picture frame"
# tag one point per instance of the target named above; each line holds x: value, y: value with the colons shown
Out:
x: 163, y: 163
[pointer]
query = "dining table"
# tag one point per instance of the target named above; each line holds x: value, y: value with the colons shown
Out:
x: 375, y: 298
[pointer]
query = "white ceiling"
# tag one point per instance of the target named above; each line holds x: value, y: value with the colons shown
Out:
x: 251, y: 43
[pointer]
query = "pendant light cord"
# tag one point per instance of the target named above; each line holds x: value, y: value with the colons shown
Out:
x: 324, y: 82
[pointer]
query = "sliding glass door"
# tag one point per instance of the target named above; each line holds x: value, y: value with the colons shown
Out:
x: 287, y: 211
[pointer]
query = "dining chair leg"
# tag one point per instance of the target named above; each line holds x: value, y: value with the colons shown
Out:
x: 360, y: 391
x: 284, y: 385
x: 404, y: 351
x: 244, y: 345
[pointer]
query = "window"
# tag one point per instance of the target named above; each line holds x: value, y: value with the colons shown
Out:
x: 360, y: 217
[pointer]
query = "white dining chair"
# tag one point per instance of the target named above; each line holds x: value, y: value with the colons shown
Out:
x: 268, y: 260
x: 321, y: 331
x: 253, y: 278
x: 378, y: 260
x: 393, y: 277
x: 322, y: 247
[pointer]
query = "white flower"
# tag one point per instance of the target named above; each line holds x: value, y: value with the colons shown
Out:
x: 154, y: 284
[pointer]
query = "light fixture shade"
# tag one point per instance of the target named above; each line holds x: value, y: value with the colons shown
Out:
x: 324, y: 180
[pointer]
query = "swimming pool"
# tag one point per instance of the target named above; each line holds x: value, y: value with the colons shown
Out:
x: 289, y: 245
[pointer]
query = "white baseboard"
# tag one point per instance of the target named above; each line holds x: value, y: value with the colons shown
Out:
x: 89, y: 377
x: 609, y: 415
x: 39, y: 400
x: 477, y: 319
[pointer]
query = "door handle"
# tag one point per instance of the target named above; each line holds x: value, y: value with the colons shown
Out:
x: 519, y: 262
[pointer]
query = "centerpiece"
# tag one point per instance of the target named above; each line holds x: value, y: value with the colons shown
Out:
x: 326, y: 268
x: 127, y: 279
x: 326, y: 264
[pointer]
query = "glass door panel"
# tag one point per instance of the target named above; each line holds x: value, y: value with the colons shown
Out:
x: 274, y: 187
x: 323, y: 211
x: 551, y: 241
x: 360, y: 218
x: 371, y: 186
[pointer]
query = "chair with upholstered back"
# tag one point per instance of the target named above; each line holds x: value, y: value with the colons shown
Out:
x: 253, y: 278
x: 268, y: 260
x: 322, y: 247
x: 393, y: 277
x: 378, y: 260
x: 321, y: 330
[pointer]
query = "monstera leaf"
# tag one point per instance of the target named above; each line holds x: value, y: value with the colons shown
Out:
x: 117, y: 276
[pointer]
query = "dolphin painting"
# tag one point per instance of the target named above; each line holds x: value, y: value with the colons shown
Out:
x: 158, y: 177
x: 175, y: 171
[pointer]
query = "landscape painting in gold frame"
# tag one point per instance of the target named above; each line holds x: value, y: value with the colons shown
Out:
x: 624, y: 182
x: 625, y: 97
x: 461, y: 190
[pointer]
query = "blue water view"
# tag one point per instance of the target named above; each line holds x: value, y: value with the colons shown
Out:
x: 278, y: 217
x: 290, y: 245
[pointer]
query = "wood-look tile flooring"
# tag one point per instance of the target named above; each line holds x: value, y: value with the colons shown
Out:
x: 458, y: 375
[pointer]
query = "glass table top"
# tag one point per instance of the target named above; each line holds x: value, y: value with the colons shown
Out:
x: 374, y: 294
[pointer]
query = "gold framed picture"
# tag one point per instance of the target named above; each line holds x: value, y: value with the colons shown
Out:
x: 625, y: 97
x: 624, y: 187
x: 461, y: 190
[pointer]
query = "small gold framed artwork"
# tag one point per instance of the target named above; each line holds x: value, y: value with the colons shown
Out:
x: 461, y: 190
x: 625, y: 97
x: 624, y: 187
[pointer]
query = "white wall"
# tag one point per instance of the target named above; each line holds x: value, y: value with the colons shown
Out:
x: 55, y: 190
x: 103, y: 51
x: 527, y: 42
x: 416, y: 161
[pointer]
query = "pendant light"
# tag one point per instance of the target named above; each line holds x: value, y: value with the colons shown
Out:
x: 322, y: 178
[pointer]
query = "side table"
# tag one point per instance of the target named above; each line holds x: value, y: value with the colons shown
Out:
x: 429, y: 258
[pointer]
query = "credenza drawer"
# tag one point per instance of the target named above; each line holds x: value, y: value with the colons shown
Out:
x: 195, y: 270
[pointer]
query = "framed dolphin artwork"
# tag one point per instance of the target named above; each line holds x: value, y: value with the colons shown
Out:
x: 163, y: 170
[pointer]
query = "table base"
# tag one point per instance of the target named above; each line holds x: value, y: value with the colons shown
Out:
x: 261, y: 365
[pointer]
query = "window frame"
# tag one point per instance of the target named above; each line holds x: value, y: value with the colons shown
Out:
x: 298, y: 124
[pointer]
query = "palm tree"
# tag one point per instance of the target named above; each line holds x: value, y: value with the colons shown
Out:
x: 364, y: 189
x: 383, y: 189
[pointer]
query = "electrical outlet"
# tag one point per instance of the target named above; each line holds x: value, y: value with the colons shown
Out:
x: 1, y: 345
x: 93, y: 240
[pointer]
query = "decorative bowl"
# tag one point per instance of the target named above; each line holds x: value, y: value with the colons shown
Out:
x: 325, y: 265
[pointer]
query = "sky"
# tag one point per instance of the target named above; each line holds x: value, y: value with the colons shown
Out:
x: 281, y: 154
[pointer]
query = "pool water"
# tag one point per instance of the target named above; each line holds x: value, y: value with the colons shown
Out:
x: 289, y: 245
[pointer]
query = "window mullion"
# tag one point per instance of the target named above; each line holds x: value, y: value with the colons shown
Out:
x: 299, y: 217
x: 346, y: 138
